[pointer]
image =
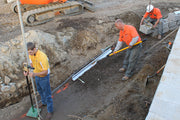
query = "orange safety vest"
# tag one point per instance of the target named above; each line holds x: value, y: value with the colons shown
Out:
x: 128, y: 34
x: 155, y: 14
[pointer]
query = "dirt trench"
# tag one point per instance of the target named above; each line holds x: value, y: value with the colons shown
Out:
x: 104, y: 96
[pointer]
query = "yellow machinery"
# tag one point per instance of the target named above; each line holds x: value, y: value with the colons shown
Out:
x: 36, y: 12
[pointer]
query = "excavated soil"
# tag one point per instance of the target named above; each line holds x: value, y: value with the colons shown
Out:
x: 103, y: 96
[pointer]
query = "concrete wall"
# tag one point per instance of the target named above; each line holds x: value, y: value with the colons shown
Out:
x: 166, y: 102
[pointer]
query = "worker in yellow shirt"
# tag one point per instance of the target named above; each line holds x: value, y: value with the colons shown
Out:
x: 40, y: 62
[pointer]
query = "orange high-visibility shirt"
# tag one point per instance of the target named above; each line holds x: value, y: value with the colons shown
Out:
x: 155, y: 14
x: 128, y: 34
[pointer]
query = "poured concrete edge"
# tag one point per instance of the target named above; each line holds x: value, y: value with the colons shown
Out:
x: 166, y: 101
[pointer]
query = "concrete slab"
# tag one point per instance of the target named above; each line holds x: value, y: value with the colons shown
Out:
x: 166, y: 105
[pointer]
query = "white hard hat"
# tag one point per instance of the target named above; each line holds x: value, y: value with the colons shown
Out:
x: 149, y: 8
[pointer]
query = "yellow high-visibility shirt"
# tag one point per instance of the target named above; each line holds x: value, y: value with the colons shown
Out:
x: 40, y: 62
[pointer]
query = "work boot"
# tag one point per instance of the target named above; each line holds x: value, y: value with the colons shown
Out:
x: 125, y: 78
x: 122, y: 70
x: 48, y: 116
x: 159, y: 37
x: 41, y: 105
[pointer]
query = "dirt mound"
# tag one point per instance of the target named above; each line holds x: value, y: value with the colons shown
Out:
x: 79, y: 24
x: 130, y: 17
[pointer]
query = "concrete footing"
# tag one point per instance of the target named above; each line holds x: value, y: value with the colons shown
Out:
x: 165, y: 104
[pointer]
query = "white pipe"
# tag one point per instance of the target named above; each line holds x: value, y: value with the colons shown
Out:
x: 91, y: 64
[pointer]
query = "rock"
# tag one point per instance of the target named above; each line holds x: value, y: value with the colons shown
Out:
x: 100, y: 21
x: 2, y: 84
x: 178, y: 23
x: 171, y: 17
x: 7, y: 80
x: 170, y: 10
x: 21, y: 83
x: 145, y: 29
x: 4, y: 49
x: 5, y: 88
x: 12, y: 87
x: 165, y: 25
x: 64, y: 39
x: 10, y: 1
x: 172, y: 25
x: 176, y: 9
x: 13, y: 76
x: 7, y: 95
x: 15, y: 42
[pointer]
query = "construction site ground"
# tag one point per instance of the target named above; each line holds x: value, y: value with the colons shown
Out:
x: 103, y: 96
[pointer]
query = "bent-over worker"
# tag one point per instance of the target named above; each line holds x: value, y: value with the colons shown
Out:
x: 129, y: 35
x: 154, y: 16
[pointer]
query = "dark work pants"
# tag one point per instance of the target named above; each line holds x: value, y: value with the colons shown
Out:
x: 131, y: 59
x: 159, y: 25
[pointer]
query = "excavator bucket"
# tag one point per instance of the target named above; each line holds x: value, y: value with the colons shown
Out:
x: 36, y: 2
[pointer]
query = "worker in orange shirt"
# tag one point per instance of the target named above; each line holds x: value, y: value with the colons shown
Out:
x: 129, y: 35
x: 154, y: 16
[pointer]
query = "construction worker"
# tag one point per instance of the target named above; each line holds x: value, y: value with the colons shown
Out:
x: 129, y: 35
x: 41, y: 73
x: 154, y: 16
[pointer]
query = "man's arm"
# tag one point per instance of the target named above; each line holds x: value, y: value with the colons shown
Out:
x: 43, y: 73
x: 134, y: 40
x: 142, y: 21
x: 156, y: 23
x: 145, y: 16
x: 118, y: 46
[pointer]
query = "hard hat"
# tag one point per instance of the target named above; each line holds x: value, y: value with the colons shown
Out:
x: 149, y: 8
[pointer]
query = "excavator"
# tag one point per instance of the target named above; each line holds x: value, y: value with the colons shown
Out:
x: 37, y: 12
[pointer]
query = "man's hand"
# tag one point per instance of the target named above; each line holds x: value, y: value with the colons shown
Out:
x: 130, y: 46
x: 31, y: 74
x: 154, y: 26
x: 25, y: 73
x: 141, y: 23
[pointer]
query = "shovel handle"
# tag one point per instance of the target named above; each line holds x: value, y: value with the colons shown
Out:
x: 160, y: 69
x: 126, y: 48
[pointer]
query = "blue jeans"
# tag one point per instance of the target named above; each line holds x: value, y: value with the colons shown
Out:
x: 131, y: 59
x: 44, y: 89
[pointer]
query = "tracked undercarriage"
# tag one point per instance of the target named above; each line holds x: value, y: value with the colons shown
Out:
x: 38, y: 14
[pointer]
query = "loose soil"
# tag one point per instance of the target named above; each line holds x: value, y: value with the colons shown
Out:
x: 104, y: 96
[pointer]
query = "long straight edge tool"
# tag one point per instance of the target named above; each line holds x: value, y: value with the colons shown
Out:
x: 126, y: 47
x: 91, y: 64
x: 37, y: 112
